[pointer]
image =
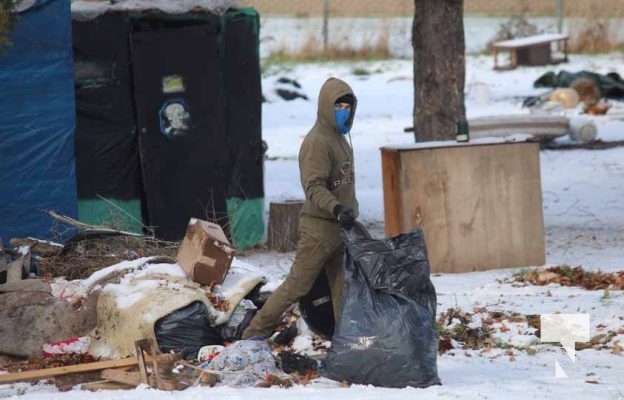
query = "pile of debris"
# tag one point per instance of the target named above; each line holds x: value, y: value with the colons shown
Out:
x: 92, y: 251
x: 176, y: 323
x: 69, y: 313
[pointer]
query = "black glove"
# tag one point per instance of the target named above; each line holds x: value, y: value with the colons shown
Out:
x: 345, y: 216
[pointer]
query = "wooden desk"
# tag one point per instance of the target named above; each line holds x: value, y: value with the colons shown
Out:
x: 479, y: 204
x: 531, y: 50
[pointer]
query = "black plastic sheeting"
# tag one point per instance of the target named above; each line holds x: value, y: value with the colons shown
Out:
x: 182, y: 140
x: 169, y: 111
x: 316, y: 307
x: 187, y: 330
x: 241, y: 74
x: 611, y: 85
x: 386, y: 334
x: 37, y: 121
x: 107, y: 159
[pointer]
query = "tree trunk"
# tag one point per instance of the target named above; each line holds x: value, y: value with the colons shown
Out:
x: 284, y: 225
x: 439, y: 68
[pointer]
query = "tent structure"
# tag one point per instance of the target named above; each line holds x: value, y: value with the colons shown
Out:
x: 168, y: 109
x: 37, y: 120
x: 168, y: 117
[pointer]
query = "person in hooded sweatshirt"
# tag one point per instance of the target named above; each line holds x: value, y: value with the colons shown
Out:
x: 328, y: 180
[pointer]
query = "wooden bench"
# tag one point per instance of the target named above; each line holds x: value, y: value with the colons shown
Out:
x: 531, y: 50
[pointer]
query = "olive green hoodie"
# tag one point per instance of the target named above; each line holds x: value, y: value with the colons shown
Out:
x: 326, y: 158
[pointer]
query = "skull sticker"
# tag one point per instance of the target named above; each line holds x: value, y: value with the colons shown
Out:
x: 174, y: 118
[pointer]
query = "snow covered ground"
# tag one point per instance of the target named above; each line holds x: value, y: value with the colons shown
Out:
x: 584, y: 224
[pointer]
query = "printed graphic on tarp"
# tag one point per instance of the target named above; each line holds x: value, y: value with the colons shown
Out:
x: 173, y: 84
x: 174, y: 118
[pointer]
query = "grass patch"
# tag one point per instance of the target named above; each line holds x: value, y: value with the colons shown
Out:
x: 270, y: 68
x: 8, y: 18
x: 313, y: 50
x: 360, y: 72
x: 594, y: 35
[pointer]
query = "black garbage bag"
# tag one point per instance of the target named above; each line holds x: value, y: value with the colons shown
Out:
x: 316, y: 307
x: 186, y: 329
x: 292, y: 362
x: 386, y: 334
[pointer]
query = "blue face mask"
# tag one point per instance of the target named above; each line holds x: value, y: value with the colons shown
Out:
x: 342, y: 116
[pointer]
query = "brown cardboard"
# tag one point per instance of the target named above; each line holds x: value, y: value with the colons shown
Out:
x: 205, y: 253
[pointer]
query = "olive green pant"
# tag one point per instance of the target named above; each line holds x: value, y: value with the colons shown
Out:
x: 319, y: 247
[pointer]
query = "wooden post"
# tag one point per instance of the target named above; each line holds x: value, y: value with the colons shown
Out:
x: 284, y: 225
x: 149, y: 345
x: 514, y: 58
x: 16, y: 268
x: 325, y: 25
x: 495, y: 58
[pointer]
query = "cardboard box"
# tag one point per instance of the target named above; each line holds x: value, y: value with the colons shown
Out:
x: 205, y: 253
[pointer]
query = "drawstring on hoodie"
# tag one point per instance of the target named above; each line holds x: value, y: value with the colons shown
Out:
x: 352, y: 151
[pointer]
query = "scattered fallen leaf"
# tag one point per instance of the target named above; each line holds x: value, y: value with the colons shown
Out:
x: 577, y: 276
x: 444, y: 345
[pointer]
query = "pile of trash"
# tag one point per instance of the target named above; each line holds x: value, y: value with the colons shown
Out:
x: 175, y: 322
x: 107, y: 300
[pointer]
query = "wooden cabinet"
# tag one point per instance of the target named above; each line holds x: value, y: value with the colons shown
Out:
x: 479, y: 204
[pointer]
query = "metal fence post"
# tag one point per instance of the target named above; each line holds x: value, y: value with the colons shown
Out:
x: 559, y: 15
x: 325, y: 24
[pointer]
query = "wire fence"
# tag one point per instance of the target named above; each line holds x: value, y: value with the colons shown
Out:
x: 373, y: 28
x: 397, y: 8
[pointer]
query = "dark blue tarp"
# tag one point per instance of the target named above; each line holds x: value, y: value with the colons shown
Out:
x: 37, y: 120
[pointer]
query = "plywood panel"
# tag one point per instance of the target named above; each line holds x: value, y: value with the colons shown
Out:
x: 480, y: 206
x: 393, y: 207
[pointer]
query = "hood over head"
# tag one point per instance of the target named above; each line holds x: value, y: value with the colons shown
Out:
x: 332, y: 90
